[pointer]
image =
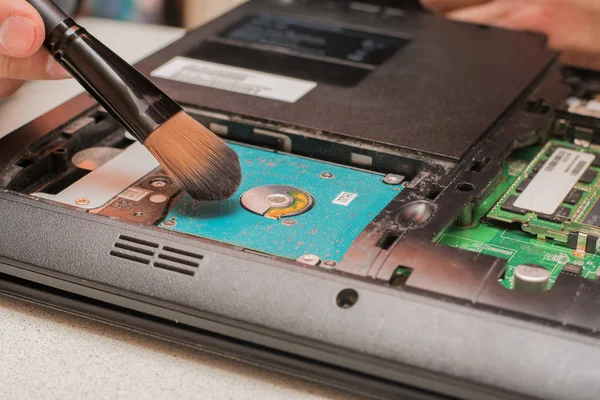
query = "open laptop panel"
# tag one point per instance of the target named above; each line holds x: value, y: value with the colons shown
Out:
x: 415, y: 191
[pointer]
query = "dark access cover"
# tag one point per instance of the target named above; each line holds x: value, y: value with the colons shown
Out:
x: 411, y: 80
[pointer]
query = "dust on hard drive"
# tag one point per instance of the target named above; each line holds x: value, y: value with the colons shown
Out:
x: 289, y: 206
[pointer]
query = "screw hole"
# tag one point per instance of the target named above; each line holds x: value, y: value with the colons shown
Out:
x: 433, y: 193
x: 60, y: 151
x: 159, y: 183
x: 479, y: 165
x: 347, y: 298
x: 465, y: 187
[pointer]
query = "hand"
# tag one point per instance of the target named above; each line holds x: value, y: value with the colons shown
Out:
x: 572, y: 26
x: 21, y: 55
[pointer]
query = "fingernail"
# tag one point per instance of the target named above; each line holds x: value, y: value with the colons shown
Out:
x: 17, y: 35
x: 55, y: 70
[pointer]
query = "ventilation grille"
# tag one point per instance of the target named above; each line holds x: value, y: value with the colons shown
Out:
x: 167, y: 258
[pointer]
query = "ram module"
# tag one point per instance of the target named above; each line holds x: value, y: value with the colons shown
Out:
x: 557, y: 197
x: 510, y: 242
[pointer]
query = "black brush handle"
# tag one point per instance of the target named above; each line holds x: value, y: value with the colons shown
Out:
x: 123, y: 91
x: 51, y: 14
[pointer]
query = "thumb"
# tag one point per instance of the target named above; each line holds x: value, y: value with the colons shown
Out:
x: 21, y: 29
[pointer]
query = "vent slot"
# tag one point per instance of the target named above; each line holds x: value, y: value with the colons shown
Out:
x: 183, y: 253
x: 134, y: 249
x: 178, y: 260
x: 173, y: 268
x: 150, y: 253
x: 130, y: 257
x: 138, y: 241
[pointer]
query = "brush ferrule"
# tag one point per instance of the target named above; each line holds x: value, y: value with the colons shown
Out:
x: 136, y: 103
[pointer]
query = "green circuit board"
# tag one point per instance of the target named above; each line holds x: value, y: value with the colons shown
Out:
x: 504, y: 237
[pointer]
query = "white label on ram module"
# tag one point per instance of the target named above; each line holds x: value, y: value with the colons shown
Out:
x: 554, y: 181
x: 234, y: 79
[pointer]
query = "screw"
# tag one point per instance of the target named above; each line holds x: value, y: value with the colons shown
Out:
x: 169, y: 223
x: 159, y: 183
x: 327, y: 175
x: 309, y: 259
x: 288, y: 222
x: 393, y: 179
x: 138, y: 214
x: 158, y: 198
x: 82, y: 201
x: 329, y: 264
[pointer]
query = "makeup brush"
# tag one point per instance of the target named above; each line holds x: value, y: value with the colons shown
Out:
x: 199, y: 161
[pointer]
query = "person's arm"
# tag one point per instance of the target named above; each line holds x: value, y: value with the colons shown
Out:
x: 572, y: 26
x: 21, y: 55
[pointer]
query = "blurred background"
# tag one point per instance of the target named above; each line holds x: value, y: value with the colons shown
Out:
x: 180, y: 13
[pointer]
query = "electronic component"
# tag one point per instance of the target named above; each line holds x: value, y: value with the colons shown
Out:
x: 560, y: 200
x: 531, y: 278
x: 559, y: 216
x: 324, y: 211
x: 573, y: 269
x: 523, y: 185
x: 573, y: 197
x: 593, y: 216
x: 582, y: 243
x: 509, y: 206
x: 516, y: 245
x: 588, y: 177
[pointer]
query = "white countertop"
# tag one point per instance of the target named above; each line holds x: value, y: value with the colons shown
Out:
x: 50, y: 354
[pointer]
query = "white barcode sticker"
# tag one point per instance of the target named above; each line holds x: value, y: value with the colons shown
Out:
x: 134, y: 194
x: 344, y: 199
x: 233, y: 79
x: 554, y: 181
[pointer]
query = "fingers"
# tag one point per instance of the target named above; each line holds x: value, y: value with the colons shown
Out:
x: 21, y: 29
x: 581, y: 60
x: 574, y: 26
x: 571, y: 25
x: 9, y: 86
x: 39, y: 66
x: 445, y: 6
x: 21, y: 37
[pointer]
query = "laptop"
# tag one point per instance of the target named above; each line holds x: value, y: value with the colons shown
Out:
x: 418, y: 216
